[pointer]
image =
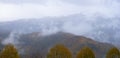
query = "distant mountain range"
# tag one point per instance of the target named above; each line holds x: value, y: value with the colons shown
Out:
x: 97, y: 27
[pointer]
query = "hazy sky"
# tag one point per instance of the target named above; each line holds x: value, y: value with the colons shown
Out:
x: 19, y: 9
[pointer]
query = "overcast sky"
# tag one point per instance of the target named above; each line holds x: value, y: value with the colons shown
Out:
x: 24, y: 9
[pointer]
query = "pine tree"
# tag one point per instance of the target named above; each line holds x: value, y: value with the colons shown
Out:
x: 85, y: 52
x: 59, y: 51
x: 113, y: 53
x: 9, y: 52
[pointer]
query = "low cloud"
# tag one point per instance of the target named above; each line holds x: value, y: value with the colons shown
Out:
x: 13, y: 38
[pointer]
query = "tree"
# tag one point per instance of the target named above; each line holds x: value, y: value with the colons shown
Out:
x: 113, y: 53
x: 59, y: 51
x: 85, y: 52
x: 9, y: 52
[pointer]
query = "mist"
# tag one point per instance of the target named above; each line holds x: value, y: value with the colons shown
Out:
x: 13, y: 38
x: 97, y: 27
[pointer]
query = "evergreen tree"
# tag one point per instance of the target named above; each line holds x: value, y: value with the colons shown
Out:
x: 59, y: 51
x: 85, y: 52
x: 9, y: 52
x: 113, y: 53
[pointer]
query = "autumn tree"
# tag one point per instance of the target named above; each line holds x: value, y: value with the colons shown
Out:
x: 113, y: 53
x: 59, y: 51
x: 85, y: 52
x: 9, y: 52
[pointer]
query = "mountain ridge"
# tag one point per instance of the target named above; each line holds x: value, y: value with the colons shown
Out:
x: 98, y: 27
x: 42, y: 45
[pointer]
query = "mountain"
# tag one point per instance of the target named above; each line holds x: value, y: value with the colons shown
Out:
x: 97, y: 27
x: 37, y: 45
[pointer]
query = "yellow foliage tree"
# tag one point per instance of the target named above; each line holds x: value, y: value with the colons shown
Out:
x: 85, y: 52
x: 59, y: 51
x: 9, y: 52
x: 113, y: 53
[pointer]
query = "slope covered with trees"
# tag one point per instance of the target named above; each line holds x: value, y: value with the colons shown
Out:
x: 37, y: 44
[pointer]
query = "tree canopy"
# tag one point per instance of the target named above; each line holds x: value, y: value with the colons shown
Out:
x: 113, y: 53
x: 85, y: 52
x: 59, y: 51
x: 9, y: 52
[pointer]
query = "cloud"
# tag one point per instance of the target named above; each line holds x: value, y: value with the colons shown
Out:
x: 25, y: 9
x: 31, y: 10
x: 12, y: 39
x: 23, y: 1
x: 77, y: 28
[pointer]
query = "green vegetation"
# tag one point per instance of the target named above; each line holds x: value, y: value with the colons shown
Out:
x: 59, y: 51
x: 9, y: 52
x: 113, y: 53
